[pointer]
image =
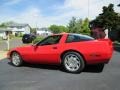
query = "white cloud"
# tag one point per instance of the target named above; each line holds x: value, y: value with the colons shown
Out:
x: 77, y: 8
x: 12, y: 2
x: 34, y: 17
x: 85, y: 8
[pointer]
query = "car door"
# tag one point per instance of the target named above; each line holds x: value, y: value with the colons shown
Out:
x: 48, y: 50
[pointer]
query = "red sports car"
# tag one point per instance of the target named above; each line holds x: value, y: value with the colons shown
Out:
x: 72, y: 51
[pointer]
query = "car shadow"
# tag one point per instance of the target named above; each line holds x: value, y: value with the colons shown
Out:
x: 116, y: 47
x: 41, y: 66
x: 94, y: 68
x: 88, y: 68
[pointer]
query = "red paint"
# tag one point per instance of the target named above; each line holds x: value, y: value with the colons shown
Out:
x: 95, y: 51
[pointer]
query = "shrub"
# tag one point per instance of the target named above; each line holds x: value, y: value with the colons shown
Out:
x: 38, y: 39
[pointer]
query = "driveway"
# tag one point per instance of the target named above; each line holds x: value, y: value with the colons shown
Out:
x: 13, y: 43
x: 43, y: 77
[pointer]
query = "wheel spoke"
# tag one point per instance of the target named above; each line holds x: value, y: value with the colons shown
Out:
x: 15, y: 59
x: 72, y: 62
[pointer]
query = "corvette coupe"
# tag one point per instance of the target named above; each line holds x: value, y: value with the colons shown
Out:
x: 72, y: 51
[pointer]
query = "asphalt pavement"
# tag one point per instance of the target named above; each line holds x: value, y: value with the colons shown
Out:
x: 44, y: 77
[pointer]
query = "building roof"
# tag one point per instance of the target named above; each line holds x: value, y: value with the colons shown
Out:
x: 5, y: 29
x: 17, y: 25
x: 43, y: 29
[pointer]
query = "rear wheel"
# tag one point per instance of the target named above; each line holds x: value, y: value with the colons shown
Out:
x: 73, y: 62
x: 100, y: 66
x: 16, y: 59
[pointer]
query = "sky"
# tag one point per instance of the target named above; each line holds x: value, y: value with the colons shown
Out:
x: 43, y: 13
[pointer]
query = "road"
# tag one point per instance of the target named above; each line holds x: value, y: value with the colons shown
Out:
x: 13, y: 43
x: 43, y: 77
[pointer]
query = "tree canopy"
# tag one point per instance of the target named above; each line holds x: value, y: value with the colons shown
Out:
x: 78, y: 26
x: 5, y: 24
x: 58, y: 28
x: 108, y: 19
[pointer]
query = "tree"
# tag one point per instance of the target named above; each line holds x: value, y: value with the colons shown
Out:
x: 85, y: 26
x: 63, y: 28
x: 33, y: 30
x: 5, y: 24
x: 58, y: 29
x: 79, y: 26
x: 108, y: 19
x: 2, y: 25
x: 72, y: 25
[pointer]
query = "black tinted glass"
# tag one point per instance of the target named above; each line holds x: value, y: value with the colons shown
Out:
x: 50, y: 40
x: 78, y: 38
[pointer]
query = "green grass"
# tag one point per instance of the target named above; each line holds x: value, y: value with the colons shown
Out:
x: 1, y: 39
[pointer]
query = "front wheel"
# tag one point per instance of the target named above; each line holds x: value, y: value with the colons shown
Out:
x: 16, y: 59
x: 73, y: 62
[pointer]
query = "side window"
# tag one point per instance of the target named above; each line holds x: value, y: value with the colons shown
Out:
x: 73, y: 38
x: 78, y: 38
x: 86, y: 38
x: 50, y: 40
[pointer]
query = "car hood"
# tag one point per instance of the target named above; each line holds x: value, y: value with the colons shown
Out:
x: 22, y: 48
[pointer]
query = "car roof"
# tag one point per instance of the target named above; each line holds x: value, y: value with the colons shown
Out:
x: 64, y: 33
x: 60, y: 34
x: 73, y: 34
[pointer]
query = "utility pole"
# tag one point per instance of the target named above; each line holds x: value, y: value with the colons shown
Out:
x: 88, y: 9
x: 8, y: 41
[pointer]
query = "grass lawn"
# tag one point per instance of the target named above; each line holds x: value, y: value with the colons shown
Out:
x: 0, y: 39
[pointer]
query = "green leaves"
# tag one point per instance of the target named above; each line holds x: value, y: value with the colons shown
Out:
x: 58, y: 29
x: 79, y: 26
x: 108, y: 19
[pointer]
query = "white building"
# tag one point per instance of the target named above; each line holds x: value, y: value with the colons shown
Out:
x: 19, y: 28
x: 4, y: 32
x: 15, y: 29
x: 43, y: 31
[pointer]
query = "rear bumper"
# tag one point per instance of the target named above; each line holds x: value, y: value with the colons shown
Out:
x: 105, y: 58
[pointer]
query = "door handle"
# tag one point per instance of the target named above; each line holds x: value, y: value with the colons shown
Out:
x: 54, y: 47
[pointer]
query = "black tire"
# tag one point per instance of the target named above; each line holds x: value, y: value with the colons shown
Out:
x: 16, y: 59
x: 78, y: 57
x: 100, y: 66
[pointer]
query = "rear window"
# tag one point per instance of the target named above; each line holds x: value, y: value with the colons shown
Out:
x: 78, y: 38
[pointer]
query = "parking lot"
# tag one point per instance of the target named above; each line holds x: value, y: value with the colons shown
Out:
x: 44, y: 77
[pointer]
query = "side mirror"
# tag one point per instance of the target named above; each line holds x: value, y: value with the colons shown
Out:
x: 35, y: 46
